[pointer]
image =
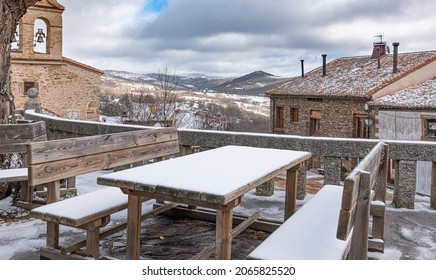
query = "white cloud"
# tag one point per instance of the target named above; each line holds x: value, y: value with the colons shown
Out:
x: 235, y: 37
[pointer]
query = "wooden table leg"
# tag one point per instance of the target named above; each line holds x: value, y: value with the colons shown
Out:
x: 223, y: 249
x: 291, y: 191
x: 133, y: 227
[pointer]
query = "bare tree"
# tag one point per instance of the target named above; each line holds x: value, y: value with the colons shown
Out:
x: 160, y: 106
x: 11, y: 11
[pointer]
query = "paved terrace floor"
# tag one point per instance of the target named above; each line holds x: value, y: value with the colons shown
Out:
x: 410, y: 234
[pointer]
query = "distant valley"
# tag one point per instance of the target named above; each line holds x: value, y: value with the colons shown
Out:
x: 255, y: 83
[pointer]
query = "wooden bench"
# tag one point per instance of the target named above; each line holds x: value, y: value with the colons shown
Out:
x: 51, y: 161
x: 13, y: 140
x: 334, y: 224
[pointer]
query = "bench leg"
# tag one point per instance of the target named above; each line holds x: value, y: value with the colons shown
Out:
x: 26, y: 192
x: 93, y: 236
x: 53, y: 191
x: 52, y: 235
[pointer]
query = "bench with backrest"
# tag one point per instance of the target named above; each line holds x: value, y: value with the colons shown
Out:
x: 334, y: 224
x: 52, y: 161
x: 13, y: 140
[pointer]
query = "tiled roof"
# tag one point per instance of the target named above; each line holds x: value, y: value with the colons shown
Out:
x: 421, y: 96
x: 354, y: 76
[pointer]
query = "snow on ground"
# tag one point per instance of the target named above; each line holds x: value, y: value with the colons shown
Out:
x: 409, y: 232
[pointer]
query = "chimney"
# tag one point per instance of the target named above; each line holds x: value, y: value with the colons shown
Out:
x: 378, y: 58
x: 302, y: 68
x: 396, y: 44
x: 324, y: 66
x: 382, y: 46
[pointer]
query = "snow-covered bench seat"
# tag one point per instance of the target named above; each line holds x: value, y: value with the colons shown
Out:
x: 13, y: 175
x: 334, y: 224
x: 52, y: 161
x: 310, y: 233
x: 89, y: 212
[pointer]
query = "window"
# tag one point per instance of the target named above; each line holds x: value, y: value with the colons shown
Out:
x: 361, y: 128
x: 315, y: 126
x: 429, y: 128
x: 279, y: 120
x: 294, y: 115
x: 28, y: 85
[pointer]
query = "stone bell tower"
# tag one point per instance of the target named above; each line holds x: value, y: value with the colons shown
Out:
x: 39, y: 34
x: 67, y: 88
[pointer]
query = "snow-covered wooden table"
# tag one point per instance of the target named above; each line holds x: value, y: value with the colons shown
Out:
x: 215, y: 179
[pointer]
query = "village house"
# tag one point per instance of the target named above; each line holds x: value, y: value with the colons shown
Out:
x: 332, y: 100
x: 67, y: 88
x: 382, y: 96
x: 409, y: 114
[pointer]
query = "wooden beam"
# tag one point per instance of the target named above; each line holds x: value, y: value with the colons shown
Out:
x: 112, y: 230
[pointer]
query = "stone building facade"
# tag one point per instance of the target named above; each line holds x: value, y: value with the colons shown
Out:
x: 383, y: 96
x: 67, y: 88
x: 334, y: 100
x: 333, y: 118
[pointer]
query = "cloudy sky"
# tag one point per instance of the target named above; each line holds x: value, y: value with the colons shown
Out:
x: 235, y: 37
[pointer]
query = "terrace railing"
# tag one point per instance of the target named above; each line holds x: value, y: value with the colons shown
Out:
x: 405, y: 154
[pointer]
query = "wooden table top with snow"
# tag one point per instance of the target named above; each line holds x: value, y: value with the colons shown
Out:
x: 215, y: 179
x: 216, y: 176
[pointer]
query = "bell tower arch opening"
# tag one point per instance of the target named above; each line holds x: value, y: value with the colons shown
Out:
x: 41, y: 30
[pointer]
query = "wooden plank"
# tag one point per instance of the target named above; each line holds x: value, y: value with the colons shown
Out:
x: 206, y: 252
x: 55, y: 254
x: 109, y: 231
x: 359, y: 240
x: 351, y: 190
x: 62, y: 169
x: 378, y: 208
x: 210, y: 216
x: 377, y: 245
x: 55, y: 150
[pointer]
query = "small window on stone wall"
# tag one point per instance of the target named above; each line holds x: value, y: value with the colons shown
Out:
x: 294, y: 115
x: 28, y: 85
x: 429, y: 128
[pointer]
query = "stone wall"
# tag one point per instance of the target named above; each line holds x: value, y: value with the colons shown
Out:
x: 64, y: 88
x: 405, y: 153
x: 336, y: 115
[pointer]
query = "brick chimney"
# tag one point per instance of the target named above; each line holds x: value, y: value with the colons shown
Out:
x: 383, y: 49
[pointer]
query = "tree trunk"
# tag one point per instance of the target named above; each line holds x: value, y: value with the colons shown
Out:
x: 11, y: 12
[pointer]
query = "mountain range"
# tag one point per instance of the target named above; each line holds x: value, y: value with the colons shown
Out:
x: 255, y: 83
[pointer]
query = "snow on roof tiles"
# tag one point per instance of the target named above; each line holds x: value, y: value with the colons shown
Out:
x: 356, y: 77
x: 421, y: 96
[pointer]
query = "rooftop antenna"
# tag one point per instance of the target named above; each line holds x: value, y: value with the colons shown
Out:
x: 380, y: 36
